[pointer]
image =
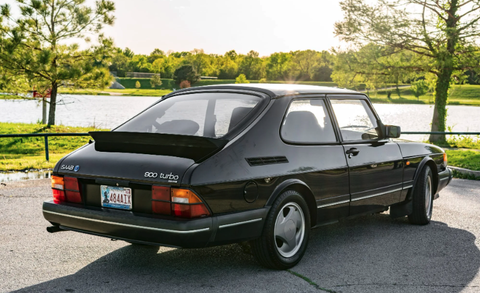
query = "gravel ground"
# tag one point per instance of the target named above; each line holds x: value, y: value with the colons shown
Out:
x: 366, y: 254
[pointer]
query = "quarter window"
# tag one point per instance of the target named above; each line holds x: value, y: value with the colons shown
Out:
x: 355, y: 119
x: 307, y: 121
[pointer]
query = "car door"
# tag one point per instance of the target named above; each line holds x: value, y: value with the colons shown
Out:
x: 374, y: 164
x: 315, y: 146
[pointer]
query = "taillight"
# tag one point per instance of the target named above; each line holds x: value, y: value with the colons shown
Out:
x: 445, y: 160
x: 72, y: 190
x: 58, y: 189
x: 66, y: 189
x: 178, y: 202
x: 161, y: 200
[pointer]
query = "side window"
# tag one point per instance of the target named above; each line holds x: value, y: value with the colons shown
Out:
x: 355, y: 119
x: 307, y: 121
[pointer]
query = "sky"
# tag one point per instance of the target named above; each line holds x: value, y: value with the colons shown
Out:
x: 218, y: 26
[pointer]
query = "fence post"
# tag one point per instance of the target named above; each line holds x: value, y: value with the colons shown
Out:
x: 46, y: 147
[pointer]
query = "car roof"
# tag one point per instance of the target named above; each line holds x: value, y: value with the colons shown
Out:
x: 273, y: 90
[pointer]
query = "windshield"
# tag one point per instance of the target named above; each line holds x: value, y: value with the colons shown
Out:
x: 202, y: 114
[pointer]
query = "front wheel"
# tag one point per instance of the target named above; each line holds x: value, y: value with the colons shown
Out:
x: 286, y: 232
x: 422, y: 198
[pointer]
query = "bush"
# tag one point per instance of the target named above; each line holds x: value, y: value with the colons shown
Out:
x: 241, y: 79
x: 185, y: 72
x: 185, y: 84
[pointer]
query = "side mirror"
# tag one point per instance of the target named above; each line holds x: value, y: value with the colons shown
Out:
x: 392, y: 131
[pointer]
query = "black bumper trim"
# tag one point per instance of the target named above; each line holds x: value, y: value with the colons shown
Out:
x: 239, y: 223
x: 129, y: 225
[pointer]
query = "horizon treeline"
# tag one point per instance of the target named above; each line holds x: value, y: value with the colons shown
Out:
x: 306, y: 65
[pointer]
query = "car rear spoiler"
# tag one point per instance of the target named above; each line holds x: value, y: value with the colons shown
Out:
x: 193, y: 147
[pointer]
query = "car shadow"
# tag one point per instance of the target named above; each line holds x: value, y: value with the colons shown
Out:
x: 380, y: 252
x: 372, y: 250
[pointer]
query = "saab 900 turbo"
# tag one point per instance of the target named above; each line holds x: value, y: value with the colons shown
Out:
x: 259, y: 163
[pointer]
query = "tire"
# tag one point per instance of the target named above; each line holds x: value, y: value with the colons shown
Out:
x: 285, y: 234
x: 422, y: 200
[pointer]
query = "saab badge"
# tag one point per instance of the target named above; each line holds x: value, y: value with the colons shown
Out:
x: 77, y: 167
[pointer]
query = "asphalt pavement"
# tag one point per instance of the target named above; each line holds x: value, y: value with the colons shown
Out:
x: 368, y: 254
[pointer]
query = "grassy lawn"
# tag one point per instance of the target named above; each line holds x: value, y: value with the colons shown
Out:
x: 29, y: 152
x: 459, y: 95
x: 110, y: 92
x: 464, y: 159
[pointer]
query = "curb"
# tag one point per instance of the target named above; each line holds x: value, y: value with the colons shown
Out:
x: 475, y: 174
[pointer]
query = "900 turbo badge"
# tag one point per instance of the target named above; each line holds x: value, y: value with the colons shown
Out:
x: 150, y: 175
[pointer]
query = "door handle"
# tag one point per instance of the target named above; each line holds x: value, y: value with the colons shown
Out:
x: 352, y: 152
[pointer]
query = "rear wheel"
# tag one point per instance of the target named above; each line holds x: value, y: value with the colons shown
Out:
x: 286, y: 232
x: 422, y: 198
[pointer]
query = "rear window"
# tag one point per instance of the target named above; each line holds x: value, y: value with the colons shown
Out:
x: 203, y: 114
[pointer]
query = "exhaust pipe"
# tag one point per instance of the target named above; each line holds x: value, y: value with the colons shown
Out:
x: 53, y: 229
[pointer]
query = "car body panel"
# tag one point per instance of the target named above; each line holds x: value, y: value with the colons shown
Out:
x: 240, y: 179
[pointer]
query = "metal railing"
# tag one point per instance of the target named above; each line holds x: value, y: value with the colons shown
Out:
x: 47, y: 135
x: 440, y: 132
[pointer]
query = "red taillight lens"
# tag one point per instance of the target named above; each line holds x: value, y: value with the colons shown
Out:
x: 190, y: 210
x: 66, y: 189
x: 72, y: 190
x: 58, y: 189
x: 58, y: 196
x: 178, y: 202
x: 161, y: 200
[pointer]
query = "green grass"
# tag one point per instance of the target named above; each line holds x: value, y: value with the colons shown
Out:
x: 464, y: 159
x: 113, y: 92
x: 29, y: 152
x: 459, y: 95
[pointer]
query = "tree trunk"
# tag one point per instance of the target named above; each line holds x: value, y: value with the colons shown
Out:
x: 440, y: 110
x: 44, y: 110
x: 53, y: 104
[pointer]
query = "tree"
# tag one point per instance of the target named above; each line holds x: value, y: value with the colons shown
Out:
x: 155, y: 81
x: 241, y: 79
x: 138, y: 85
x: 441, y: 31
x: 279, y: 66
x: 34, y: 44
x: 419, y: 88
x: 252, y: 66
x: 185, y: 72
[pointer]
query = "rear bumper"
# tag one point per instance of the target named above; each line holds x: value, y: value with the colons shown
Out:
x: 126, y: 226
x: 444, y: 178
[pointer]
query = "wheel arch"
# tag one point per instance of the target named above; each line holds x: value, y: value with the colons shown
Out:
x: 300, y: 187
x: 427, y: 161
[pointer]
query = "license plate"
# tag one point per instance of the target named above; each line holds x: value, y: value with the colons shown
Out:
x: 116, y: 197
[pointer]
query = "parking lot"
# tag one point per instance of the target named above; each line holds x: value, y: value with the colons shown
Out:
x: 368, y: 254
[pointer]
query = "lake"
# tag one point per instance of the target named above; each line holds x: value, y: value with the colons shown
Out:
x: 111, y: 111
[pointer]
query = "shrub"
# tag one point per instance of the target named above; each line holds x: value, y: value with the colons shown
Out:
x: 185, y: 84
x: 241, y: 79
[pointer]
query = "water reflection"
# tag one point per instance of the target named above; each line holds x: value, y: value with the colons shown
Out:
x: 111, y: 111
x: 25, y: 175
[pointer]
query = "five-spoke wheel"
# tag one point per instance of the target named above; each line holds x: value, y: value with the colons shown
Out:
x: 285, y: 236
x: 422, y: 200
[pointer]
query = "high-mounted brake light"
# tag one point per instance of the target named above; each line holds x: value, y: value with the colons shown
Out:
x: 178, y: 202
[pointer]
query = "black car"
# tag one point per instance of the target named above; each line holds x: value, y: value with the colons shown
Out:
x: 261, y: 163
